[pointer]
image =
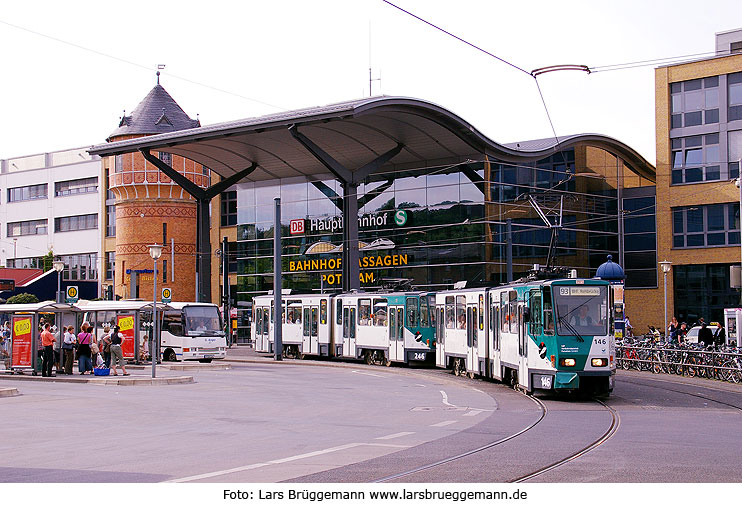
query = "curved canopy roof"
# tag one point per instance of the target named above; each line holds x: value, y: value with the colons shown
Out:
x: 354, y: 133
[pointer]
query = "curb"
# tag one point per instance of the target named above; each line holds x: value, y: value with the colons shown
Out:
x: 106, y: 381
x: 7, y: 392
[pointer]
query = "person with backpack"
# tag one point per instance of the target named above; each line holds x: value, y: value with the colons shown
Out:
x: 117, y: 355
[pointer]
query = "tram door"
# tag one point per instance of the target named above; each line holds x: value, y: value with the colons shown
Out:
x: 349, y: 331
x: 396, y: 334
x: 472, y: 355
x: 440, y: 336
x: 522, y: 348
x: 306, y: 339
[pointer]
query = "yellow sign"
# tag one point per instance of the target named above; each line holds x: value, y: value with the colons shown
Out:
x: 166, y: 293
x: 22, y: 327
x: 126, y: 323
x: 389, y: 260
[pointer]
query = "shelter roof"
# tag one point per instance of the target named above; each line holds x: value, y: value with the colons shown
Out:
x: 354, y: 133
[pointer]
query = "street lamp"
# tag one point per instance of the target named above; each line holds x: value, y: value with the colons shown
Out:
x: 155, y: 251
x: 665, y: 266
x: 58, y: 267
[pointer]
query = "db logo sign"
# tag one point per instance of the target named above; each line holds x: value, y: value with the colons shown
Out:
x: 297, y: 226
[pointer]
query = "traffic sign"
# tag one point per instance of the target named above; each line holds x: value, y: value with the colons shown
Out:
x: 167, y: 295
x: 72, y: 294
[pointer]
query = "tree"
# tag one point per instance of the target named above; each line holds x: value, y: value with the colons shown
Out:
x: 47, y: 261
x: 23, y: 298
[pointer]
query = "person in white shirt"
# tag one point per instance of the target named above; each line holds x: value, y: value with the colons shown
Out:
x: 68, y: 346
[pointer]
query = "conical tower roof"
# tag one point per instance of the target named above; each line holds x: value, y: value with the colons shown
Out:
x: 157, y: 113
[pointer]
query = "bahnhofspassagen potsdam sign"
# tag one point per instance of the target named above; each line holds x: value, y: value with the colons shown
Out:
x: 327, y: 266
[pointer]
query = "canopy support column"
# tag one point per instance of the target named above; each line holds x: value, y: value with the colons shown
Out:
x: 203, y: 227
x: 350, y: 180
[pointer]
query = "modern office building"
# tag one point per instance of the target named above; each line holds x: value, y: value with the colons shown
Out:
x: 699, y: 146
x: 51, y: 202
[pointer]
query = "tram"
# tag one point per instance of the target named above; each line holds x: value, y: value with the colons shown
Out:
x: 538, y: 333
x: 379, y: 328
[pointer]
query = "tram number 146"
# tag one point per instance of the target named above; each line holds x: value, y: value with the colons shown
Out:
x: 545, y: 381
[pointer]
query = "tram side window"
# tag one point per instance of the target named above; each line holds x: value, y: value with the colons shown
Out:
x: 364, y: 312
x: 259, y: 321
x: 294, y: 312
x: 424, y: 319
x: 460, y: 312
x: 339, y: 311
x: 450, y: 313
x: 535, y: 308
x: 505, y: 312
x: 323, y: 311
x: 548, y: 312
x: 513, y: 311
x: 315, y: 321
x: 411, y: 305
x: 481, y: 312
x: 431, y: 305
x: 266, y: 327
x: 380, y: 310
x: 307, y: 322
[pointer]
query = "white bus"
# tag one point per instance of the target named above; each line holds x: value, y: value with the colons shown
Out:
x: 188, y: 330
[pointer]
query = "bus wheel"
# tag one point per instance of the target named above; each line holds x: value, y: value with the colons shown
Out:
x: 170, y: 355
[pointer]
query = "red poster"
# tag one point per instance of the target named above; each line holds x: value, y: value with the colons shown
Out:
x: 22, y: 338
x: 126, y: 327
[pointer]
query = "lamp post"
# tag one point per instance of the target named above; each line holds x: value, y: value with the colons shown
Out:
x: 155, y: 251
x: 665, y: 266
x: 58, y: 267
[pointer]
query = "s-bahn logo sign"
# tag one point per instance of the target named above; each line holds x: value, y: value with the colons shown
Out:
x: 334, y: 224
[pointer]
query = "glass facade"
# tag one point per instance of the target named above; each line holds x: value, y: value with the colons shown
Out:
x: 435, y: 225
x: 703, y: 291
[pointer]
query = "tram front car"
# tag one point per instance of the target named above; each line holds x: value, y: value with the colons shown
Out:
x: 577, y: 335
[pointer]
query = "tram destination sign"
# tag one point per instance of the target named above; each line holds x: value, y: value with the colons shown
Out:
x: 579, y: 291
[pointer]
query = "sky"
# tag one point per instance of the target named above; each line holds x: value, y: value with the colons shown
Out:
x: 70, y: 69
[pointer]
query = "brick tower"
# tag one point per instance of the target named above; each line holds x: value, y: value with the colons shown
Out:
x: 151, y: 208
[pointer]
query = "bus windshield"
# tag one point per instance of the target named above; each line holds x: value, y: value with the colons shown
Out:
x: 581, y: 310
x: 202, y: 321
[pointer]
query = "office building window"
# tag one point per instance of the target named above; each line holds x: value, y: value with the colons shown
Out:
x: 110, y: 265
x: 37, y: 262
x: 35, y: 192
x: 735, y: 96
x: 35, y: 227
x: 110, y: 220
x: 164, y: 271
x: 734, y: 148
x: 229, y: 208
x: 695, y: 159
x: 82, y: 267
x: 705, y: 225
x: 77, y: 186
x: 74, y: 223
x: 119, y: 163
x: 694, y: 102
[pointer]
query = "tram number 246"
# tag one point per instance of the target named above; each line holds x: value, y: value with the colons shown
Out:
x: 418, y: 356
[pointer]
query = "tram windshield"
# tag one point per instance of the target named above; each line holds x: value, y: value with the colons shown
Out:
x: 581, y: 310
x: 202, y: 320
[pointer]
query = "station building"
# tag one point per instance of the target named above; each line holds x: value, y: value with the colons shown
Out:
x: 699, y: 146
x: 437, y: 201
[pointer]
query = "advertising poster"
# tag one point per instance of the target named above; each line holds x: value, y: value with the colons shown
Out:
x: 126, y: 325
x: 22, y: 338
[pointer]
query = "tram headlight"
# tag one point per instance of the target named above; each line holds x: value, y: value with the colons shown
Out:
x: 598, y: 362
x: 567, y: 362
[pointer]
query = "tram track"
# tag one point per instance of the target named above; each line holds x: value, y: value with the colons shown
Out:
x: 613, y: 428
x: 700, y: 386
x: 470, y: 452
